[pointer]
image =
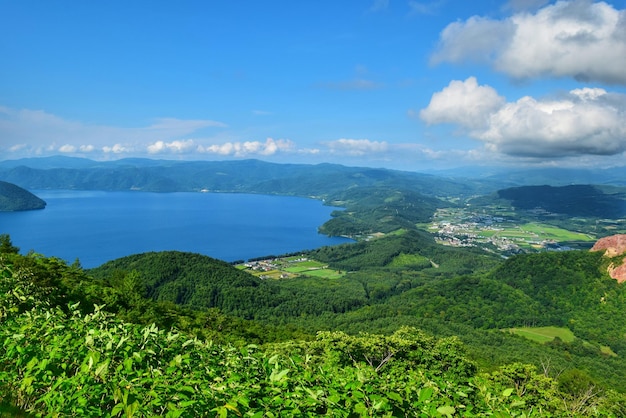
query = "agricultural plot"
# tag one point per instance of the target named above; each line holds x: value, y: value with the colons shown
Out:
x: 290, y: 267
x: 462, y: 227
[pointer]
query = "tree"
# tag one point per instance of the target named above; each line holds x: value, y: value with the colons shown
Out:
x: 6, y: 246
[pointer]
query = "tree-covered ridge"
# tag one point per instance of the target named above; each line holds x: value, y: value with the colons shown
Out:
x: 202, y: 282
x: 245, y: 176
x: 15, y: 198
x: 574, y: 200
x: 407, y: 279
x: 378, y: 210
x: 62, y: 358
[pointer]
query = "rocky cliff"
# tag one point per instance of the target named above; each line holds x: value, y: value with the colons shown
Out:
x: 613, y: 246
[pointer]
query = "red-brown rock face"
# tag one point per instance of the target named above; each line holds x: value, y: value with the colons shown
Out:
x: 613, y: 246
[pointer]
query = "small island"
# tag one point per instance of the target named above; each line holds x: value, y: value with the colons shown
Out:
x: 14, y: 198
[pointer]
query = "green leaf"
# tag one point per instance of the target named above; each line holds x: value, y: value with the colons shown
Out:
x: 446, y: 410
x: 277, y: 377
x: 507, y: 392
x: 425, y: 394
x: 395, y: 397
x: 102, y: 369
x: 117, y: 409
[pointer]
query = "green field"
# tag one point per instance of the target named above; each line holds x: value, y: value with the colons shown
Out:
x: 537, y: 231
x: 409, y: 260
x: 325, y: 273
x: 544, y: 334
x: 302, y: 266
x: 557, y: 234
x: 289, y: 268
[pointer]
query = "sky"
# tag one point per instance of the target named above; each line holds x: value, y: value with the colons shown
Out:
x: 402, y: 84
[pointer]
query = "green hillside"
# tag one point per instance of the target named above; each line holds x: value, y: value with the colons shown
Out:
x: 14, y: 198
x: 245, y: 176
x: 395, y: 324
x: 77, y: 345
x: 573, y: 200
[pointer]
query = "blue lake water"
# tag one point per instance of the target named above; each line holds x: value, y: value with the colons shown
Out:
x: 96, y: 227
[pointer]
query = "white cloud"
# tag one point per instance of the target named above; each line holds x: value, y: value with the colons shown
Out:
x: 588, y: 121
x: 463, y: 103
x: 577, y: 38
x: 17, y: 147
x: 174, y: 146
x: 25, y: 132
x: 356, y: 147
x: 67, y: 148
x: 117, y: 149
x: 242, y: 149
x: 477, y: 39
x: 572, y: 125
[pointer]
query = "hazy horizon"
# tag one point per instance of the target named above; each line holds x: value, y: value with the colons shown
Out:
x: 406, y: 85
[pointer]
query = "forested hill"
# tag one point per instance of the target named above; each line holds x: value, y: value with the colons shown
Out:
x: 249, y: 176
x: 573, y: 200
x: 15, y: 198
x: 88, y: 346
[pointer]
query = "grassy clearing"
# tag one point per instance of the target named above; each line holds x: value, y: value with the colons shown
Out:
x: 325, y: 273
x: 606, y: 350
x: 544, y: 334
x: 409, y: 260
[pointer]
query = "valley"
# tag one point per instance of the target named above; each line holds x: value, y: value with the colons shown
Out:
x: 495, y: 231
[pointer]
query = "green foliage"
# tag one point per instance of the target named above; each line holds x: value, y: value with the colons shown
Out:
x: 378, y: 209
x: 6, y: 246
x: 573, y: 200
x: 418, y: 244
x: 14, y: 198
x: 62, y: 358
x: 247, y: 176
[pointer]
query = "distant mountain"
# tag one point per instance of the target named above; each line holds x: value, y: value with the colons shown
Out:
x: 245, y: 176
x: 58, y: 161
x: 14, y: 198
x: 507, y: 177
x: 575, y: 200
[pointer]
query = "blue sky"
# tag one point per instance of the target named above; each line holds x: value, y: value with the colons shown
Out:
x: 387, y: 83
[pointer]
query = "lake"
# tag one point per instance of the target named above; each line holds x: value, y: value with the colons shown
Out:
x: 96, y: 226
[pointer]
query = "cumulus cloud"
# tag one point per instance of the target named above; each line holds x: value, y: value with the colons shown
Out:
x: 588, y: 121
x: 67, y: 148
x: 174, y: 146
x: 117, y: 149
x: 242, y: 149
x: 577, y: 39
x: 463, y: 103
x: 356, y: 147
